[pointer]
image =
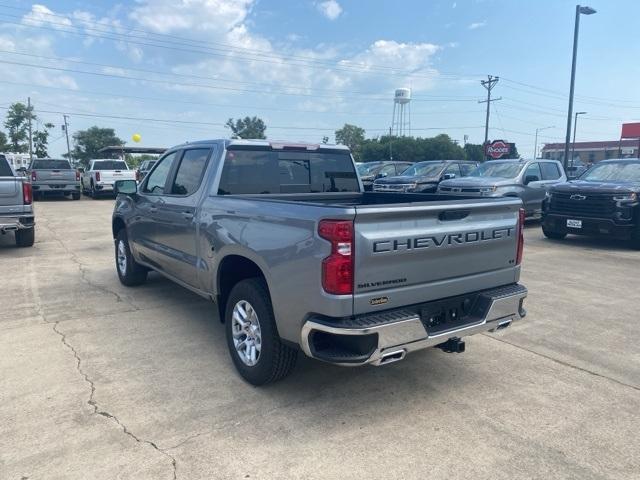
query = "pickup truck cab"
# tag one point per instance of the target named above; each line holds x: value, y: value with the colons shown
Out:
x: 527, y: 180
x: 370, y: 171
x: 296, y: 255
x: 16, y: 205
x: 102, y: 173
x: 55, y: 176
x: 604, y: 201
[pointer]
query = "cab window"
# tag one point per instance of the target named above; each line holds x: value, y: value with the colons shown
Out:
x: 550, y: 171
x: 158, y: 177
x: 190, y: 172
x: 533, y: 170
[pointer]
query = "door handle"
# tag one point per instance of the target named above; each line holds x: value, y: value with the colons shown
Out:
x: 187, y: 215
x: 153, y: 209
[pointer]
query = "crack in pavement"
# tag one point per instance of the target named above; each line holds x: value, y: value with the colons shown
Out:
x: 563, y: 363
x: 63, y: 337
x: 97, y: 411
x: 82, y: 268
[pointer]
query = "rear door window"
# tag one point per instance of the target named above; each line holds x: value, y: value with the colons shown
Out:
x: 550, y: 171
x: 387, y: 171
x: 50, y: 165
x: 452, y: 169
x: 190, y: 171
x: 269, y: 172
x: 158, y: 178
x: 110, y: 165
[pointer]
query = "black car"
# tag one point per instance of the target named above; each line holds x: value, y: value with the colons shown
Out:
x: 424, y: 177
x: 603, y: 201
x: 370, y: 171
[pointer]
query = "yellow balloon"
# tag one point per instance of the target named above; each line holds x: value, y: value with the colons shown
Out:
x: 136, y: 137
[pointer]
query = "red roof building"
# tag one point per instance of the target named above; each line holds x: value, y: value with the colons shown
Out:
x: 591, y: 152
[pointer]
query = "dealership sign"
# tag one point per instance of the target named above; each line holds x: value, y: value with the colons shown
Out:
x: 498, y: 149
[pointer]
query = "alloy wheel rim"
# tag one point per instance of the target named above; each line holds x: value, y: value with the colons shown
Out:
x: 245, y: 329
x: 122, y: 258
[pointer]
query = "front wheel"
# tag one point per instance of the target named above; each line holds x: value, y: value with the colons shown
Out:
x: 75, y: 195
x: 552, y: 234
x: 635, y: 238
x: 252, y: 337
x: 130, y: 272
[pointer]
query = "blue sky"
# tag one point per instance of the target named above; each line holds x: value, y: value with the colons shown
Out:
x: 175, y: 70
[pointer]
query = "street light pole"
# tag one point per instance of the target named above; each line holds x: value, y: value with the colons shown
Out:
x: 575, y: 126
x: 583, y: 11
x: 535, y: 145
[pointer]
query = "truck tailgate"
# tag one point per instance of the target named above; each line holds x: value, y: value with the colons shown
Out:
x: 425, y: 251
x: 52, y: 177
x: 110, y: 176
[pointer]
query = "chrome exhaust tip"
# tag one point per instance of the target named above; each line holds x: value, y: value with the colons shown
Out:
x: 391, y: 357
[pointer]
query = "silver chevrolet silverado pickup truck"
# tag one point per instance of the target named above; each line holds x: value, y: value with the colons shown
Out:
x: 16, y: 205
x: 297, y: 256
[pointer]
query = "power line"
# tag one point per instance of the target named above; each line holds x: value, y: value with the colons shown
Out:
x: 193, y: 122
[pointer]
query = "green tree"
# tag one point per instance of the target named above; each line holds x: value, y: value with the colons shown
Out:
x: 17, y: 125
x: 353, y: 137
x: 513, y: 153
x: 325, y: 139
x: 474, y: 152
x: 4, y: 144
x: 410, y: 149
x: 88, y: 142
x: 247, y: 127
x: 41, y: 141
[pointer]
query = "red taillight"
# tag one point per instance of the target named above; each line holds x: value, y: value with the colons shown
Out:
x: 27, y: 193
x: 520, y: 236
x: 337, y: 268
x: 33, y: 176
x: 77, y: 176
x: 97, y: 176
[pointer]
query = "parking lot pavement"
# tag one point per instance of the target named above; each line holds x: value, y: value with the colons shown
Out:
x: 100, y: 381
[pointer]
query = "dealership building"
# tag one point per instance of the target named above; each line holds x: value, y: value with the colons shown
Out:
x: 592, y: 152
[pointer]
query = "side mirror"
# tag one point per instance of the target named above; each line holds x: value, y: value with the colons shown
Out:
x: 126, y: 187
x: 22, y: 170
x: 448, y: 176
x: 81, y: 169
x: 381, y: 175
x: 531, y: 178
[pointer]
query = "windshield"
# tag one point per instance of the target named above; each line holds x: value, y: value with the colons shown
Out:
x: 50, y: 165
x: 498, y: 169
x: 425, y: 169
x: 367, y: 168
x: 109, y: 165
x: 613, y: 172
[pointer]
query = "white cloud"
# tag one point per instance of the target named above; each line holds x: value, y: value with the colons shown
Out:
x: 330, y: 9
x: 41, y: 15
x: 477, y: 25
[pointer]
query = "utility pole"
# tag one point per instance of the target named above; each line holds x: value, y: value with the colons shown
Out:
x: 66, y: 132
x: 30, y: 133
x: 488, y: 85
x: 390, y: 145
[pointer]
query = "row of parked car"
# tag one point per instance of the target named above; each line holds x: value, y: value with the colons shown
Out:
x: 602, y: 200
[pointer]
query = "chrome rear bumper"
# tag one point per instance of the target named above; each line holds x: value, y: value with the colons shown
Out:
x: 11, y: 224
x: 394, y: 334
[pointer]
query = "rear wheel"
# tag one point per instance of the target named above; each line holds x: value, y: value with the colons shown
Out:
x: 93, y: 193
x: 552, y: 234
x: 130, y: 272
x: 75, y: 195
x: 25, y: 237
x: 252, y: 336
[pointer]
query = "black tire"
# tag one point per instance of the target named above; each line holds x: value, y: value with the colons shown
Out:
x: 92, y: 192
x: 75, y: 196
x: 130, y: 273
x: 276, y: 360
x: 25, y: 237
x: 553, y: 235
x: 635, y: 238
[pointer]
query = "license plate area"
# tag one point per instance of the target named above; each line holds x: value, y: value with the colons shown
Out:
x: 574, y: 223
x: 451, y: 313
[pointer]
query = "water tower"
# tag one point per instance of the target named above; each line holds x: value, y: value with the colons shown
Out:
x: 401, y: 121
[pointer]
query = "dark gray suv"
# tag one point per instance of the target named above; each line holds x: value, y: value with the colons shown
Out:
x: 528, y: 180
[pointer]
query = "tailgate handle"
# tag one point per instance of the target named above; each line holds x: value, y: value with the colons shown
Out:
x: 453, y: 215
